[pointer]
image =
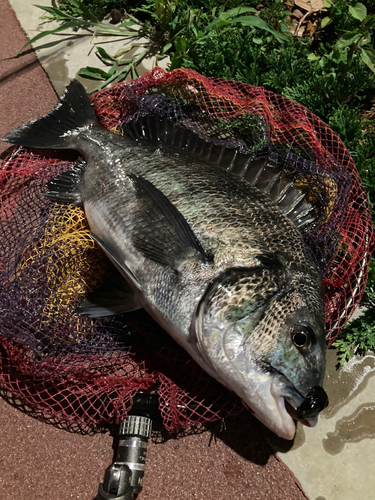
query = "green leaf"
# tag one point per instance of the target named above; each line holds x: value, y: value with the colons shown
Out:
x: 137, y: 58
x: 128, y: 48
x: 56, y: 13
x: 104, y: 55
x: 313, y: 57
x: 366, y: 57
x: 366, y: 39
x: 165, y: 48
x: 223, y: 18
x: 256, y: 22
x: 326, y: 20
x: 121, y: 62
x: 65, y: 26
x: 347, y: 39
x: 113, y: 70
x: 86, y: 12
x: 108, y: 29
x: 121, y: 75
x: 371, y: 54
x: 180, y: 44
x: 160, y: 8
x: 238, y: 11
x: 134, y: 72
x: 103, y: 84
x: 93, y: 73
x: 359, y: 11
x: 218, y: 22
x: 369, y: 21
x: 327, y: 3
x: 344, y: 351
x: 202, y: 39
x: 117, y: 77
x: 176, y: 59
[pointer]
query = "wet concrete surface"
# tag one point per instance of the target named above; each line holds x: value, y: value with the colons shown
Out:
x: 334, y: 460
x: 65, y: 53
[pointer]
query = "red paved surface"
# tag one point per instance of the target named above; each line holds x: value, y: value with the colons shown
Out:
x: 25, y: 91
x: 40, y: 461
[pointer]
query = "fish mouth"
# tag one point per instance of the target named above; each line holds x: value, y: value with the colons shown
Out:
x: 293, y: 406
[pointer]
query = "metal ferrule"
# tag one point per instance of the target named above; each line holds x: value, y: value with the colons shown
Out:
x: 136, y: 426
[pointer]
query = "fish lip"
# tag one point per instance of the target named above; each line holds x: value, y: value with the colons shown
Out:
x: 289, y: 398
x: 283, y: 387
x: 293, y: 399
x: 308, y: 422
x: 286, y: 428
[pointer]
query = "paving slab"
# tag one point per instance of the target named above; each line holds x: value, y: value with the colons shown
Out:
x: 71, y: 50
x: 26, y: 90
x: 335, y: 459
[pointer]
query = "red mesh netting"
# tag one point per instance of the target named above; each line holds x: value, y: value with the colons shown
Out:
x: 85, y: 372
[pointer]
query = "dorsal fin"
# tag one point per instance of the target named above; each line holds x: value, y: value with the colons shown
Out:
x: 175, y: 139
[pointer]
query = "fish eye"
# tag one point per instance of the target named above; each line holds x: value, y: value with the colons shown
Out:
x: 302, y: 336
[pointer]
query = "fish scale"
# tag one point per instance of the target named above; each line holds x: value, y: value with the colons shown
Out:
x: 215, y: 213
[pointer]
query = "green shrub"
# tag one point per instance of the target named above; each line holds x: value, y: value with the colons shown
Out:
x: 98, y: 7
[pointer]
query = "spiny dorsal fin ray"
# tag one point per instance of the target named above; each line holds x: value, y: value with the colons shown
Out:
x: 176, y: 139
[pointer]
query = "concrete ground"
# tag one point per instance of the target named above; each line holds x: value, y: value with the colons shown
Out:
x: 332, y: 461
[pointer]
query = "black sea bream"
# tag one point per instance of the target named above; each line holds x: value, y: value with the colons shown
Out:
x: 219, y: 264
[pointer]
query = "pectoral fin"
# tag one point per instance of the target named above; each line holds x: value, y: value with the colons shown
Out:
x: 161, y: 233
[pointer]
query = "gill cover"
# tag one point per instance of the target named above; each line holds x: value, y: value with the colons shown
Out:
x: 238, y: 296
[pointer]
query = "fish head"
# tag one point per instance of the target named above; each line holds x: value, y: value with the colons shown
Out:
x: 262, y: 336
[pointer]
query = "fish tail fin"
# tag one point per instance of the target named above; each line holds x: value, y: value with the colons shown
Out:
x: 55, y: 130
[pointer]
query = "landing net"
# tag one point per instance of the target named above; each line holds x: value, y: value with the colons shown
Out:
x: 85, y: 372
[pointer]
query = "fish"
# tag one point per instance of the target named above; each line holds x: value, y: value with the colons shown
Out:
x: 209, y: 242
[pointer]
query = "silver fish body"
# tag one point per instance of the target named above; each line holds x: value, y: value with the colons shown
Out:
x: 211, y: 258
